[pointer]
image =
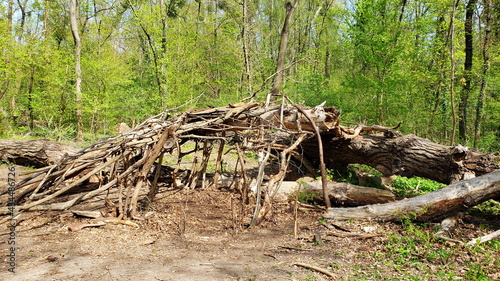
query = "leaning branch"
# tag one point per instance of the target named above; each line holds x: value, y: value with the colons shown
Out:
x: 453, y: 198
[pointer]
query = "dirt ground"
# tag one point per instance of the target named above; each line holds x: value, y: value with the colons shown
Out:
x: 201, y: 235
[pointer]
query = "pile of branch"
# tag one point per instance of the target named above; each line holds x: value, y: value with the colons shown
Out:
x: 128, y: 166
x: 126, y: 163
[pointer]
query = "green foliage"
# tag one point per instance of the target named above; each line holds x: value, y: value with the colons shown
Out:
x: 414, y: 186
x: 307, y: 196
x: 416, y: 248
x: 490, y: 208
x: 378, y: 61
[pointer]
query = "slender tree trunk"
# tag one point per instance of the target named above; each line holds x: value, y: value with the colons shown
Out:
x: 469, y: 48
x: 452, y: 72
x: 46, y: 19
x: 20, y: 33
x: 163, y: 67
x: 441, y: 55
x: 78, y: 70
x: 486, y: 67
x: 6, y: 82
x: 9, y: 15
x: 280, y: 65
x: 155, y: 56
x: 30, y: 98
x: 22, y: 7
x: 244, y: 39
x: 327, y: 63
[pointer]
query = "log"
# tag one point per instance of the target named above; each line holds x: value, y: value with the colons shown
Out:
x: 404, y: 155
x: 36, y: 153
x: 431, y: 206
x: 346, y: 194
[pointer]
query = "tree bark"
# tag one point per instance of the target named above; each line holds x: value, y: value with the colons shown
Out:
x: 435, y: 205
x: 280, y: 64
x: 452, y: 72
x: 73, y: 12
x: 466, y: 82
x: 244, y: 38
x: 486, y: 66
x: 406, y: 155
x: 346, y: 194
x: 37, y: 153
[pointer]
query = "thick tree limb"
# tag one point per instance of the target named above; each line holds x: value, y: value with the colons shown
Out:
x: 406, y: 155
x: 345, y: 194
x: 37, y: 153
x: 453, y: 198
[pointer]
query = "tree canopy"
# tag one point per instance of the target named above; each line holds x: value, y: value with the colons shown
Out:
x: 432, y: 65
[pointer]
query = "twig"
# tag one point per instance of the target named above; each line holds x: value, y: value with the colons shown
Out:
x: 485, y: 238
x: 322, y: 165
x: 447, y: 226
x: 315, y: 268
x: 296, y: 249
x: 244, y: 187
x: 296, y: 207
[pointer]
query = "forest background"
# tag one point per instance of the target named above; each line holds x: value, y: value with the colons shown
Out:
x: 74, y: 69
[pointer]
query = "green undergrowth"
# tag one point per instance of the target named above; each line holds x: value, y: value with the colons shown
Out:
x: 408, y: 187
x: 403, y: 186
x: 416, y: 248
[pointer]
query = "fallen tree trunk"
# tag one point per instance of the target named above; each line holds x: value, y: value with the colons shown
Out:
x: 37, y: 153
x: 406, y: 155
x: 346, y: 194
x: 438, y: 204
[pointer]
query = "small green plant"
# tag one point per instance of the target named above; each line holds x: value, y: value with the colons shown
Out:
x: 476, y: 272
x: 308, y: 196
x: 348, y: 176
x: 488, y: 208
x: 414, y: 186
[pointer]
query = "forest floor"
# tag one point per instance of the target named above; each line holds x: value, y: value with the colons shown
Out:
x: 199, y: 235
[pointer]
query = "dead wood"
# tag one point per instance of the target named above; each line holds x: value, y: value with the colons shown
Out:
x: 77, y: 226
x: 408, y: 155
x: 354, y: 235
x: 346, y: 194
x: 454, y: 198
x: 126, y: 162
x: 485, y: 238
x: 36, y: 153
x: 447, y: 227
x: 315, y: 268
x: 128, y: 165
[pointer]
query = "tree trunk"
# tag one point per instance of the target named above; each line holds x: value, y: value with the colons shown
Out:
x: 452, y: 72
x: 466, y: 82
x: 244, y: 39
x: 346, y: 194
x: 435, y: 205
x: 73, y: 12
x: 280, y: 65
x: 406, y: 155
x: 486, y: 66
x: 37, y: 153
